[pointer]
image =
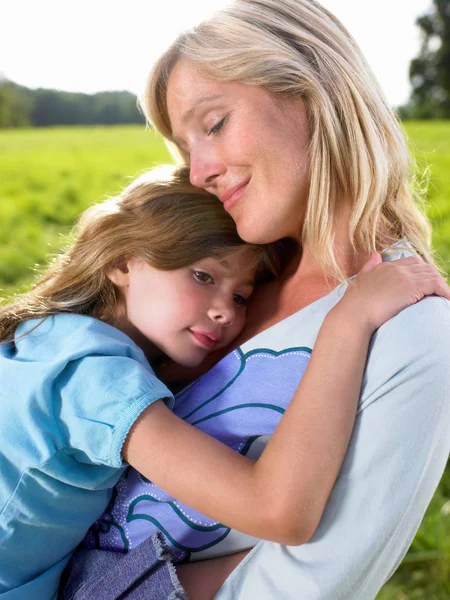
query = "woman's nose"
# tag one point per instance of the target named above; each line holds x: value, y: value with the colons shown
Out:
x: 205, y: 169
x: 222, y: 312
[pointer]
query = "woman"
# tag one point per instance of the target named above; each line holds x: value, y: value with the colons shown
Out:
x: 277, y: 113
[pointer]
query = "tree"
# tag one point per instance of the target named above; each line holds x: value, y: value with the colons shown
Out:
x: 22, y: 107
x: 430, y: 71
x: 14, y: 105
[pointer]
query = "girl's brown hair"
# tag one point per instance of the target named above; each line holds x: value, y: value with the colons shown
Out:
x: 159, y: 218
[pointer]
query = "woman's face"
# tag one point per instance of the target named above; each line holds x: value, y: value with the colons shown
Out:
x: 246, y: 146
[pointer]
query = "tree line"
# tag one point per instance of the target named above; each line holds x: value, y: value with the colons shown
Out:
x: 24, y: 107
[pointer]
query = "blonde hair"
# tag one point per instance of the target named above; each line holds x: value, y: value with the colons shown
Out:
x: 298, y: 48
x: 159, y: 218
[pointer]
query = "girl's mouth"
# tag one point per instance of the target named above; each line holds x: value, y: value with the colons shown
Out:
x: 206, y: 339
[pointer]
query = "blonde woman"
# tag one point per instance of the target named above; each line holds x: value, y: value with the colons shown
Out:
x: 276, y: 112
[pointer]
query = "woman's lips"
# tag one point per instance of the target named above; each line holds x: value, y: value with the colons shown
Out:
x: 208, y: 340
x: 232, y: 195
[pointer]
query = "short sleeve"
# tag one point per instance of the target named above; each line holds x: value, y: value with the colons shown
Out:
x: 96, y: 400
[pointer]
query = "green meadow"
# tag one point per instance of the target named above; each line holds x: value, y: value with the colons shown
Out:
x: 48, y: 176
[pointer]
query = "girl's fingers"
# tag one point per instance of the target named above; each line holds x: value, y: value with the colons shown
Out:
x: 373, y: 261
x: 431, y: 283
x: 410, y: 260
x: 411, y: 273
x: 429, y: 272
x: 442, y: 288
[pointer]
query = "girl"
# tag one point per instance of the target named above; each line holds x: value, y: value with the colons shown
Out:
x: 160, y: 272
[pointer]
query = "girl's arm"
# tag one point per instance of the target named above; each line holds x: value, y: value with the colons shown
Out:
x: 270, y: 498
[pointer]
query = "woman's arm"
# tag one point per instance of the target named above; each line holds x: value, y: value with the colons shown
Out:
x: 263, y: 498
x: 398, y: 451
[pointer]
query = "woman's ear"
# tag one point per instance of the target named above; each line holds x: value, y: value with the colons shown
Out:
x: 119, y: 272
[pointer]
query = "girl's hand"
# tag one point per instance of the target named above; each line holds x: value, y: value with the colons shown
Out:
x: 382, y: 289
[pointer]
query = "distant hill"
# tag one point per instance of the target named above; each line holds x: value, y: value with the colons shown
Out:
x: 23, y: 107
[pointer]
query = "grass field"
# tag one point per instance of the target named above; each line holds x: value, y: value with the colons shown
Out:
x: 48, y: 176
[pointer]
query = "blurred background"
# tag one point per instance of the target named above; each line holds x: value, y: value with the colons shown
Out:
x: 71, y: 134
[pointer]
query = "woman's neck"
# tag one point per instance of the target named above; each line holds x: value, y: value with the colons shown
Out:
x: 303, y: 282
x: 348, y: 260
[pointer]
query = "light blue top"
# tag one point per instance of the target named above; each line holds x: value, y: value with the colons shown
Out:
x: 70, y: 391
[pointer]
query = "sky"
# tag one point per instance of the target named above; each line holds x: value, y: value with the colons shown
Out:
x: 95, y: 45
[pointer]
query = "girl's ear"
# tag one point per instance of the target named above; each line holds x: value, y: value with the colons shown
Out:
x: 119, y: 273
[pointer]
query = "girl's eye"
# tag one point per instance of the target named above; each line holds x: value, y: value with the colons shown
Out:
x: 217, y: 127
x: 239, y: 300
x: 203, y: 277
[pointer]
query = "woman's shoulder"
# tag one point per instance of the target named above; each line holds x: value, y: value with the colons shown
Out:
x: 400, y: 249
x: 421, y: 328
x: 424, y: 325
x: 412, y: 350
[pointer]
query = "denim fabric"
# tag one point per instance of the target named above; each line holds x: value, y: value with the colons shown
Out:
x: 147, y: 573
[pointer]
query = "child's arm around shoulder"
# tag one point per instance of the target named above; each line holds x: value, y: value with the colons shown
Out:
x: 263, y: 498
x: 398, y: 452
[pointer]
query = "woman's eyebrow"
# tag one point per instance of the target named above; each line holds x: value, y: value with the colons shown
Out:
x: 188, y: 114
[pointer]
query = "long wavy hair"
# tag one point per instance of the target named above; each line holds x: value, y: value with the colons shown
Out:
x: 357, y: 150
x: 159, y: 218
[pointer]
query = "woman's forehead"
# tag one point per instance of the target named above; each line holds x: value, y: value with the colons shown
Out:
x: 190, y: 91
x: 187, y: 83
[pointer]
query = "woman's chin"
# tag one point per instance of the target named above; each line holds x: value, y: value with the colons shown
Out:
x: 256, y: 233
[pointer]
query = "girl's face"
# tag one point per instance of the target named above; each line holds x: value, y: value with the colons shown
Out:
x: 246, y: 146
x: 188, y: 312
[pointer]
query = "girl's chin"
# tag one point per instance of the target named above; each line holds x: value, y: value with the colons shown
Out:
x: 190, y: 361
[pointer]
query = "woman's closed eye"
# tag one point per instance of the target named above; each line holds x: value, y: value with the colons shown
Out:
x: 202, y: 276
x: 217, y: 127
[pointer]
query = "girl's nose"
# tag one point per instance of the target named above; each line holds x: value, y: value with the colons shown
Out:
x: 222, y: 312
x: 205, y: 169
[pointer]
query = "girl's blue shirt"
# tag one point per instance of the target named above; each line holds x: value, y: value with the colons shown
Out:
x: 71, y: 390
